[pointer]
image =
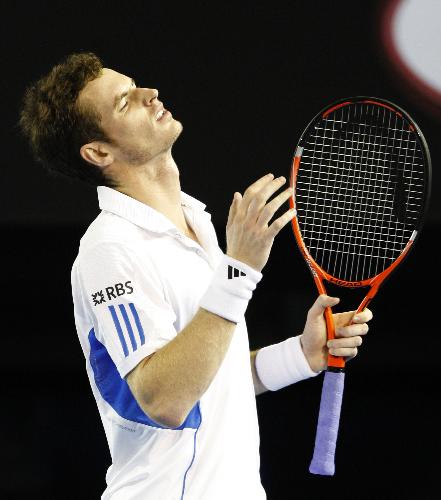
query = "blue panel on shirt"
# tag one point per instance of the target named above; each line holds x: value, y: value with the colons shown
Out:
x: 117, y: 393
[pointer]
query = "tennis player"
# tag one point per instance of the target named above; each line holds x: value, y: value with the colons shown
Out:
x: 159, y: 308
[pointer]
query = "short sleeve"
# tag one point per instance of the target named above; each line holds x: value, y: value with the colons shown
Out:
x: 125, y: 297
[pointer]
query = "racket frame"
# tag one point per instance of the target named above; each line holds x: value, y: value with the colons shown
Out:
x: 337, y: 363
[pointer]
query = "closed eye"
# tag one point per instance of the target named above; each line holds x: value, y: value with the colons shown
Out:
x: 125, y: 95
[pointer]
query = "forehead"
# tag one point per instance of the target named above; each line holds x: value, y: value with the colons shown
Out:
x: 103, y: 90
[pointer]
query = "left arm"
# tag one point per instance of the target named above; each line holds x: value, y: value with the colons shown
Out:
x: 259, y: 388
x: 314, y: 343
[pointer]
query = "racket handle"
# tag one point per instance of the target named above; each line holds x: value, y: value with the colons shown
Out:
x: 328, y: 421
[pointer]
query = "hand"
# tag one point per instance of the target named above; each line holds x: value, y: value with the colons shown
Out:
x: 249, y: 235
x: 348, y: 337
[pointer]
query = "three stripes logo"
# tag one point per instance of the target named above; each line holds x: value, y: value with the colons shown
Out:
x: 233, y: 272
x: 133, y: 328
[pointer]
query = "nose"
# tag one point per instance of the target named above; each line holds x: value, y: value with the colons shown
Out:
x: 149, y: 96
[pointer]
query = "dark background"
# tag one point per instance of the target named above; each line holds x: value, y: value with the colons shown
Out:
x: 244, y: 79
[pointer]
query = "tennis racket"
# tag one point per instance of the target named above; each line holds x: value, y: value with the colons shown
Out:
x: 361, y: 179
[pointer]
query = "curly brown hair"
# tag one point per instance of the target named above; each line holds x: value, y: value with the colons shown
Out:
x: 54, y: 123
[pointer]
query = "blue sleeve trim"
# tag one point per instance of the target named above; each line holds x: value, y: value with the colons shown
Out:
x: 138, y: 323
x: 119, y: 330
x: 128, y: 326
x: 116, y: 392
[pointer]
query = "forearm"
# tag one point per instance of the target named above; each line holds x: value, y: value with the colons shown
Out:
x: 259, y: 388
x: 304, y: 356
x: 279, y: 365
x: 169, y: 383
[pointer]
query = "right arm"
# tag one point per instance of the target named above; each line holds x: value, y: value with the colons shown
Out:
x: 168, y: 383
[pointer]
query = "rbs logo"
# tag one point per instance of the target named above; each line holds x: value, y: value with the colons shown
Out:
x: 112, y: 292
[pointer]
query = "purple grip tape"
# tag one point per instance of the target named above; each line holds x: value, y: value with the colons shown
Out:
x: 327, y: 427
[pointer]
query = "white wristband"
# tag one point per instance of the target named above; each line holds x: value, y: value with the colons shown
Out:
x: 282, y: 364
x: 231, y: 289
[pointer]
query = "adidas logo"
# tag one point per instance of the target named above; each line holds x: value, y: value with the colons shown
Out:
x: 234, y: 273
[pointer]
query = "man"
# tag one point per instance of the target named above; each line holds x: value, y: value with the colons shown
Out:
x: 159, y: 308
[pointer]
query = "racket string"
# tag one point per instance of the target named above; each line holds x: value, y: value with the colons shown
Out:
x: 359, y: 190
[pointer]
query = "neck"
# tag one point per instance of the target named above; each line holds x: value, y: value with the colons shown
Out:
x: 157, y: 185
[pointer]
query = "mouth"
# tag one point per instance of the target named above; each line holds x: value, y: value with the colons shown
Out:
x: 160, y: 114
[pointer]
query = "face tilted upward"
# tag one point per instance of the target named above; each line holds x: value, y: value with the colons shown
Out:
x: 133, y: 118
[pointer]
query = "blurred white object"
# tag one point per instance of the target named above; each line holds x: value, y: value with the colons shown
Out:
x: 412, y: 39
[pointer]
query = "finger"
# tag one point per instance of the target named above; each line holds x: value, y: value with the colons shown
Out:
x: 349, y: 317
x: 233, y: 208
x: 351, y: 330
x: 363, y: 316
x: 345, y: 352
x: 270, y: 208
x: 322, y: 302
x: 351, y: 342
x: 280, y: 223
x: 255, y: 199
x: 256, y: 187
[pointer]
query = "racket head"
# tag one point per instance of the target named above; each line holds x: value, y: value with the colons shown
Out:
x: 361, y: 179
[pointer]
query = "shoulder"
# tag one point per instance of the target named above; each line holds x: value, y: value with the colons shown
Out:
x: 110, y: 228
x: 112, y: 242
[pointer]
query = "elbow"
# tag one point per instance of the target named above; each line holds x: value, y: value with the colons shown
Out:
x: 159, y: 407
x: 163, y: 415
x: 169, y: 421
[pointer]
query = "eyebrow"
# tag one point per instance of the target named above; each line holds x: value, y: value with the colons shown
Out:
x: 118, y: 98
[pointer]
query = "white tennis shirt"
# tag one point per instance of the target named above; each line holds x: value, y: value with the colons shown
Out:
x: 136, y: 283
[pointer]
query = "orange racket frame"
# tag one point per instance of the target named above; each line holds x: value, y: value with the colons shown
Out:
x: 319, y: 274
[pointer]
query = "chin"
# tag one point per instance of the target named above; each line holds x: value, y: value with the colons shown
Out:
x: 179, y: 126
x: 177, y: 132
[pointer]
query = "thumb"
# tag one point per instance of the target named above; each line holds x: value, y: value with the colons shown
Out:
x: 233, y: 208
x: 323, y: 301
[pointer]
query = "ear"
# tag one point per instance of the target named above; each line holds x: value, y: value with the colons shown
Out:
x: 97, y: 154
